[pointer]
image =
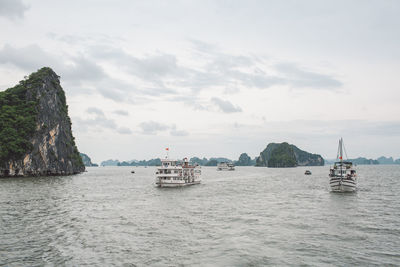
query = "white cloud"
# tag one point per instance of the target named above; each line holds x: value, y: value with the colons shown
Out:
x: 275, y: 60
x: 121, y: 112
x: 12, y: 9
x: 225, y: 105
x: 124, y: 130
x: 152, y: 127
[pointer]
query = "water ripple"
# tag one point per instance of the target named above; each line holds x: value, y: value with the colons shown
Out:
x: 250, y: 217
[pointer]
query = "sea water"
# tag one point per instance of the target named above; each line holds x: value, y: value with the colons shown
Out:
x: 252, y: 216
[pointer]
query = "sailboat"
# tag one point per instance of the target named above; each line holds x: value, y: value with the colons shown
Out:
x: 343, y: 177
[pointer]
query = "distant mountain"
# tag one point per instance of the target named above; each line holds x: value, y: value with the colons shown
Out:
x: 87, y: 161
x: 245, y: 160
x: 281, y: 155
x: 151, y: 162
x: 110, y: 162
x: 385, y: 160
x: 365, y: 161
x: 210, y: 162
x: 196, y: 160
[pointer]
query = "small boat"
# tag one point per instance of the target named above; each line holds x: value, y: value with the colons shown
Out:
x: 172, y: 173
x: 307, y: 172
x: 225, y: 166
x: 343, y: 177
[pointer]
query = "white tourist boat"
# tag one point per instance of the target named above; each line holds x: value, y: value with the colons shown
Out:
x: 225, y: 166
x: 172, y: 173
x: 343, y: 177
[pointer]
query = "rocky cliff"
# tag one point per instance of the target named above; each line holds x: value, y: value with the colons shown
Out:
x: 87, y: 161
x: 286, y: 155
x: 244, y: 160
x: 35, y: 129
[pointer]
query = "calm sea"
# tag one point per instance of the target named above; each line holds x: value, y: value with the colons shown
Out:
x: 250, y: 217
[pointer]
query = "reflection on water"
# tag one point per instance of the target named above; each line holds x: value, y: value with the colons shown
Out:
x: 252, y: 216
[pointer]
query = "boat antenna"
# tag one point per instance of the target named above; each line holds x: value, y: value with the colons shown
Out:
x: 167, y: 149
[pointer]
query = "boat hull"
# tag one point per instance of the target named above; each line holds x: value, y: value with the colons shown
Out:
x: 167, y: 184
x: 342, y: 185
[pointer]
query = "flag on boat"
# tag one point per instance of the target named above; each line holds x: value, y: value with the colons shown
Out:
x: 167, y: 149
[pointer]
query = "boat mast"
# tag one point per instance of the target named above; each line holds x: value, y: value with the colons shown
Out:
x: 341, y: 155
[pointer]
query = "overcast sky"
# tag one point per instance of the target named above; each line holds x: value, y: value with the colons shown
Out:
x: 214, y: 78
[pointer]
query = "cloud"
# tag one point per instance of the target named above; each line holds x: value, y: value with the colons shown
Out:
x: 12, y: 9
x: 73, y: 69
x: 93, y: 110
x: 28, y: 58
x: 179, y: 133
x: 82, y: 69
x: 121, y: 112
x: 225, y: 106
x: 302, y: 78
x: 124, y: 130
x: 190, y: 101
x: 175, y: 132
x: 159, y: 75
x: 152, y: 68
x: 99, y: 122
x: 152, y: 127
x: 203, y: 47
x: 227, y: 70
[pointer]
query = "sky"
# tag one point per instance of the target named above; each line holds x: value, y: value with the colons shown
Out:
x: 214, y: 78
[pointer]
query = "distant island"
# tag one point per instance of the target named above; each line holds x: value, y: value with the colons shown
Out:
x: 244, y: 160
x: 36, y: 137
x: 275, y: 155
x: 87, y: 161
x: 283, y: 155
x: 364, y: 161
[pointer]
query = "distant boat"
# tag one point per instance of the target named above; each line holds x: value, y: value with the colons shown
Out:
x: 343, y: 177
x: 174, y: 174
x: 225, y: 166
x: 307, y: 172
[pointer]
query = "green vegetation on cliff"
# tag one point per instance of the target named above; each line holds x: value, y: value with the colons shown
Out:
x: 286, y: 155
x: 35, y: 129
x: 283, y: 156
x: 17, y: 119
x: 245, y: 160
x: 87, y: 161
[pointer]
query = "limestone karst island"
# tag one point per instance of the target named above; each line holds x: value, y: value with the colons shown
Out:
x: 35, y: 129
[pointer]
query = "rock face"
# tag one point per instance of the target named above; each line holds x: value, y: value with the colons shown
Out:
x: 244, y: 160
x: 283, y: 155
x: 47, y: 146
x: 87, y: 161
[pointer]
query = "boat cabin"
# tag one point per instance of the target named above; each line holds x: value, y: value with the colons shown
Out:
x: 165, y: 163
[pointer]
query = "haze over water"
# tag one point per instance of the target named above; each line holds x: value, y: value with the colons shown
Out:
x: 252, y: 216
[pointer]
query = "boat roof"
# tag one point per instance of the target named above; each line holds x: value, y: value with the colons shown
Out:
x: 344, y: 162
x: 169, y: 160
